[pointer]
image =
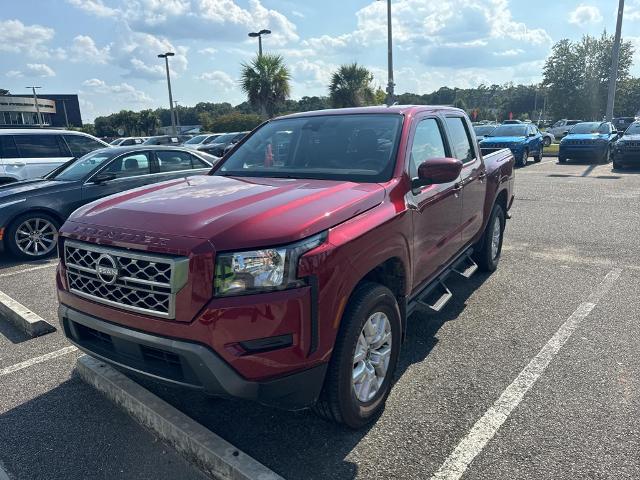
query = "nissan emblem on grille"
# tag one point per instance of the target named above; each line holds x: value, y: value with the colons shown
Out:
x: 107, y: 269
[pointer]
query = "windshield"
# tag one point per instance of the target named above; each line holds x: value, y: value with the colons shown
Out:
x: 80, y: 168
x: 590, y: 127
x: 358, y: 148
x: 510, y: 131
x: 225, y: 137
x: 634, y: 129
x: 485, y: 130
x: 196, y: 139
x: 116, y: 141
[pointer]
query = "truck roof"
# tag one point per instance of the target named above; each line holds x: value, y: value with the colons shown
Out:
x: 394, y: 109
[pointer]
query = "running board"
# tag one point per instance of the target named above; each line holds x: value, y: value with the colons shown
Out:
x: 466, y: 267
x: 435, y: 298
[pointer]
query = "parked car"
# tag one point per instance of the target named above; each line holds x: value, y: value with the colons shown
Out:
x: 523, y: 140
x: 289, y: 281
x: 627, y: 148
x: 200, y: 140
x: 547, y: 138
x: 32, y: 211
x: 589, y: 141
x: 173, y: 140
x: 562, y: 127
x: 223, y: 143
x: 483, y: 130
x: 32, y: 153
x: 127, y: 141
x: 622, y: 123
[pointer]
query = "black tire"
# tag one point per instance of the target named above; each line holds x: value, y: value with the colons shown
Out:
x: 538, y: 158
x: 10, y: 238
x: 522, y: 161
x: 483, y: 253
x: 547, y: 141
x: 607, y: 156
x: 562, y: 159
x: 338, y: 401
x: 617, y: 166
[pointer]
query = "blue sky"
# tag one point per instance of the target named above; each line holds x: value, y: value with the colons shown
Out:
x: 106, y: 50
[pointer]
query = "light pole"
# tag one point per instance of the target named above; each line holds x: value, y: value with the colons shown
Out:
x: 177, y: 115
x: 173, y: 118
x: 35, y: 100
x: 615, y: 54
x: 391, y: 84
x: 259, y: 35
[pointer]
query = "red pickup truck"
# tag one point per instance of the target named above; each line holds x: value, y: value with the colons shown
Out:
x: 287, y: 275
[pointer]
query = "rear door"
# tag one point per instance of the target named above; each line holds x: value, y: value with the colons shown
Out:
x: 131, y: 170
x: 436, y: 209
x: 39, y: 154
x: 472, y: 177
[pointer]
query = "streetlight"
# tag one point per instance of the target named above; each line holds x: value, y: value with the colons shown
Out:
x: 35, y: 100
x: 177, y: 116
x: 166, y: 60
x: 391, y: 84
x: 259, y: 35
x: 615, y: 54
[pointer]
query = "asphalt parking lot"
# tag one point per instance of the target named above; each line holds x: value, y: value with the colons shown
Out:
x: 529, y: 373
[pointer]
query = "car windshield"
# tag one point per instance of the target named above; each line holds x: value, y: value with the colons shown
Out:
x: 484, y: 130
x: 80, y: 168
x: 352, y: 147
x: 224, y: 138
x: 634, y: 129
x: 116, y: 141
x: 196, y: 139
x: 510, y: 131
x: 589, y: 127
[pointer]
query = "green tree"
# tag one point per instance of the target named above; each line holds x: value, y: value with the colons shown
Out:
x: 351, y: 87
x: 231, y: 122
x: 266, y: 82
x: 148, y: 122
x: 628, y: 98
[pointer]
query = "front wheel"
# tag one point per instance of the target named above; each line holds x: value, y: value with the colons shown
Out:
x: 487, y: 255
x: 562, y: 159
x: 606, y: 158
x: 32, y: 236
x: 522, y: 161
x: 538, y: 158
x: 364, y: 359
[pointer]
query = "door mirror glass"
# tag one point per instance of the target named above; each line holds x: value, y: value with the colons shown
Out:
x: 437, y: 171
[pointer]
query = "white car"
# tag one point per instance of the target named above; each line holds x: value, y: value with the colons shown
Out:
x: 32, y: 153
x: 561, y: 127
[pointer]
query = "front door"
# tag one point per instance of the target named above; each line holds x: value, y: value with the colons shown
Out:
x: 436, y: 209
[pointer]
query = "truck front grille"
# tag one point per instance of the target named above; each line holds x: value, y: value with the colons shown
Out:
x: 132, y: 281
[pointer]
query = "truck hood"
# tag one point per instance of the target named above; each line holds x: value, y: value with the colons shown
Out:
x: 234, y: 213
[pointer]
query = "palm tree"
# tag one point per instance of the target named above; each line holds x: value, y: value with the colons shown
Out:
x: 351, y: 87
x: 266, y: 82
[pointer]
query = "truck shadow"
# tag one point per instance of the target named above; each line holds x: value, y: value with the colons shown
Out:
x: 299, y: 445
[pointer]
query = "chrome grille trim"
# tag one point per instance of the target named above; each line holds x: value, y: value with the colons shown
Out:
x: 146, y: 283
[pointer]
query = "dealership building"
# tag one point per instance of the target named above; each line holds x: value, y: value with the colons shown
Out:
x: 19, y: 111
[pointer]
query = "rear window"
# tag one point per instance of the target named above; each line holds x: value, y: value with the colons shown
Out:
x: 175, y: 161
x: 38, y: 146
x: 81, y: 145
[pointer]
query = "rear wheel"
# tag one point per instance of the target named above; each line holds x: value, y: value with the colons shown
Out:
x: 32, y: 236
x: 487, y: 254
x: 547, y: 141
x: 364, y: 358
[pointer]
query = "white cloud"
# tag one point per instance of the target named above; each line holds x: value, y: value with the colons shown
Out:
x: 123, y: 91
x: 298, y: 14
x: 94, y: 7
x: 14, y: 74
x: 39, y: 70
x: 585, y: 15
x: 210, y: 51
x: 218, y: 79
x: 84, y: 50
x: 32, y: 40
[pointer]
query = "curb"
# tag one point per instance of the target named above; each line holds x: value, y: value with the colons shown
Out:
x: 214, y: 455
x: 23, y: 318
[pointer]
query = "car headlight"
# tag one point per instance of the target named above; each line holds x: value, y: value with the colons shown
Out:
x: 263, y: 270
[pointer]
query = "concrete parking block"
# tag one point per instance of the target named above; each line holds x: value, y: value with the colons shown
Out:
x: 23, y: 318
x: 214, y: 455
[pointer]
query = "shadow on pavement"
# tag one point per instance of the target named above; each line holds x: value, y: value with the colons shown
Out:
x: 299, y: 445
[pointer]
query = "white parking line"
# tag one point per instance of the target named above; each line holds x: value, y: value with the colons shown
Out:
x: 483, y: 431
x: 30, y: 269
x: 36, y: 360
x: 3, y: 473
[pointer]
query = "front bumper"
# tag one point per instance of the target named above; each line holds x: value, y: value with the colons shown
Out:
x: 627, y: 157
x: 583, y: 152
x: 185, y: 363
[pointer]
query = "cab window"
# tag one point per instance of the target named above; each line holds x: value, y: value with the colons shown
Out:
x: 427, y: 143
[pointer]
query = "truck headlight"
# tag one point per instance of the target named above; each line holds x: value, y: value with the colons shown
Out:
x: 263, y: 270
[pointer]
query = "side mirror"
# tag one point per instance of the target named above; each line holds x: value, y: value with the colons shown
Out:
x: 104, y: 177
x: 437, y: 171
x: 532, y: 134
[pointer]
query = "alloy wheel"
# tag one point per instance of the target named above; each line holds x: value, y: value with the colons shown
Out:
x: 496, y: 235
x: 36, y: 237
x: 372, y: 356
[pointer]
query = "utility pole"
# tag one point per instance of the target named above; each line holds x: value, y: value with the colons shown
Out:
x: 173, y: 118
x: 177, y: 115
x: 390, y: 84
x: 615, y: 60
x: 35, y: 100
